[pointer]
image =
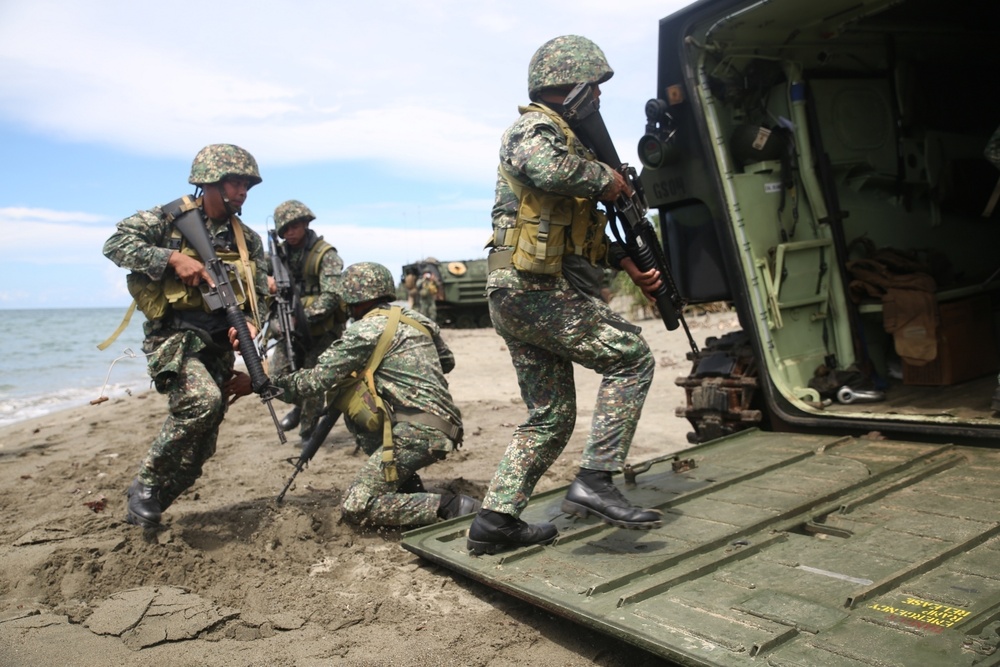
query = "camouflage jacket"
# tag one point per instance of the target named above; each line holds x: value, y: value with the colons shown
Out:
x: 535, y: 149
x: 140, y: 243
x: 327, y: 302
x: 411, y: 375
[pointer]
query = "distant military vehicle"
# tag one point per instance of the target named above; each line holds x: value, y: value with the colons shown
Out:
x: 461, y: 290
x: 820, y: 165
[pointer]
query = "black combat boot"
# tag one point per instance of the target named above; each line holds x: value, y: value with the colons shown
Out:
x: 457, y: 505
x: 492, y: 532
x: 291, y: 420
x: 143, y: 505
x: 593, y: 492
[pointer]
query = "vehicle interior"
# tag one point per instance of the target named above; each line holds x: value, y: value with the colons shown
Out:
x: 847, y: 140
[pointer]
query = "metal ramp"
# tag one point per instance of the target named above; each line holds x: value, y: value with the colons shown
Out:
x: 776, y: 549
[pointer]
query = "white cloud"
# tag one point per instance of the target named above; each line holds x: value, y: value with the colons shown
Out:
x: 406, y: 83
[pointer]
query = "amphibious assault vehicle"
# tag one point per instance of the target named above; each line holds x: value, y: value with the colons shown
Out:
x: 461, y: 290
x: 820, y: 165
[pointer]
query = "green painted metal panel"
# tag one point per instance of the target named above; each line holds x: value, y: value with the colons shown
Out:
x: 776, y: 549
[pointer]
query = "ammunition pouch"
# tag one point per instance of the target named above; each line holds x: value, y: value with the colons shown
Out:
x: 549, y: 225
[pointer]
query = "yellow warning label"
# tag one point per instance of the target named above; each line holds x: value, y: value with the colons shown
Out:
x: 923, y: 614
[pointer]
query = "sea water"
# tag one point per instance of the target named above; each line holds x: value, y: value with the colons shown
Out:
x: 49, y: 359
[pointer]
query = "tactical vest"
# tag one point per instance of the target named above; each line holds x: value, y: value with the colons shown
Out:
x: 309, y: 287
x: 154, y: 297
x: 550, y: 225
x: 357, y: 398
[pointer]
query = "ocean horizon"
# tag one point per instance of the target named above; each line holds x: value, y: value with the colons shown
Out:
x: 50, y: 360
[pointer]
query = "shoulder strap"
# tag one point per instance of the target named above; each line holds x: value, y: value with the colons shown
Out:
x: 316, y: 253
x: 389, y: 472
x: 555, y: 118
x: 251, y: 291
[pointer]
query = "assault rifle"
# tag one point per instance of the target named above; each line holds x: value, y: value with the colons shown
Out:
x: 582, y: 112
x: 287, y: 305
x: 309, y: 448
x: 221, y: 296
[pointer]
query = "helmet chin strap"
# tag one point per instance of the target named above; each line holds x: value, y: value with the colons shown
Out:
x: 230, y: 209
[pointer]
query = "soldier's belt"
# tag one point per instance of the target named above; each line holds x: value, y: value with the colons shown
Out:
x: 500, y: 259
x: 427, y: 419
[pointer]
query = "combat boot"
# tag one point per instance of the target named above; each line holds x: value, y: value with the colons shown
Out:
x: 143, y: 505
x: 492, y: 532
x: 593, y: 492
x: 291, y: 420
x: 457, y: 505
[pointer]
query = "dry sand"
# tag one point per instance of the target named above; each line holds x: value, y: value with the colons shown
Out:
x: 234, y: 579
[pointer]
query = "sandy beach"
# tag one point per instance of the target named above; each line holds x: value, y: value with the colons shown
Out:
x: 233, y: 578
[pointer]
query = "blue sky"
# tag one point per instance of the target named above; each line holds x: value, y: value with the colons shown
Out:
x: 383, y: 117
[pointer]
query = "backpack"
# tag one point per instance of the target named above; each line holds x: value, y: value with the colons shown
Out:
x: 357, y: 399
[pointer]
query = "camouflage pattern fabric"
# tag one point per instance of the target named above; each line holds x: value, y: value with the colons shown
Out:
x: 324, y: 305
x: 992, y: 151
x: 291, y: 211
x: 548, y: 326
x: 411, y: 377
x: 217, y: 161
x: 189, y: 366
x: 426, y: 301
x: 366, y: 281
x: 567, y: 61
x: 546, y: 333
x: 534, y: 148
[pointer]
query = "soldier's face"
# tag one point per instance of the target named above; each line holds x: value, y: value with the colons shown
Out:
x: 295, y: 233
x: 229, y: 191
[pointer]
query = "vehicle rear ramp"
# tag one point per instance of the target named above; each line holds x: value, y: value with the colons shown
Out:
x: 776, y: 549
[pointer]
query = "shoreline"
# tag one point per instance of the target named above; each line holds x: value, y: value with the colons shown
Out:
x: 233, y: 578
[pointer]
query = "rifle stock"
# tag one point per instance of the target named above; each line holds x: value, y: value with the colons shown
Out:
x: 221, y: 296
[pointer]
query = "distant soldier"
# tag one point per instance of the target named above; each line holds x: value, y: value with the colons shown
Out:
x: 425, y: 424
x: 315, y: 268
x: 427, y: 291
x: 189, y: 348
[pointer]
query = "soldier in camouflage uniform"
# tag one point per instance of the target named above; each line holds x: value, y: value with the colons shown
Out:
x: 427, y: 289
x: 549, y: 323
x: 190, y: 349
x: 315, y: 269
x: 426, y: 424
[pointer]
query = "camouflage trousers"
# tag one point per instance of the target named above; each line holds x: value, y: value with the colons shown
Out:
x: 371, y: 501
x: 312, y: 406
x: 427, y: 306
x: 546, y: 333
x: 188, y: 436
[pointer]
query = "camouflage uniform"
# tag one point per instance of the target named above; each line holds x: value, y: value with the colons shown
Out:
x: 188, y: 353
x: 426, y: 301
x: 548, y: 325
x: 324, y: 312
x: 409, y: 379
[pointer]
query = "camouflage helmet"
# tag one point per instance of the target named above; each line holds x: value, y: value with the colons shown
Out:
x: 217, y: 161
x: 291, y: 211
x: 566, y: 61
x: 366, y: 281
